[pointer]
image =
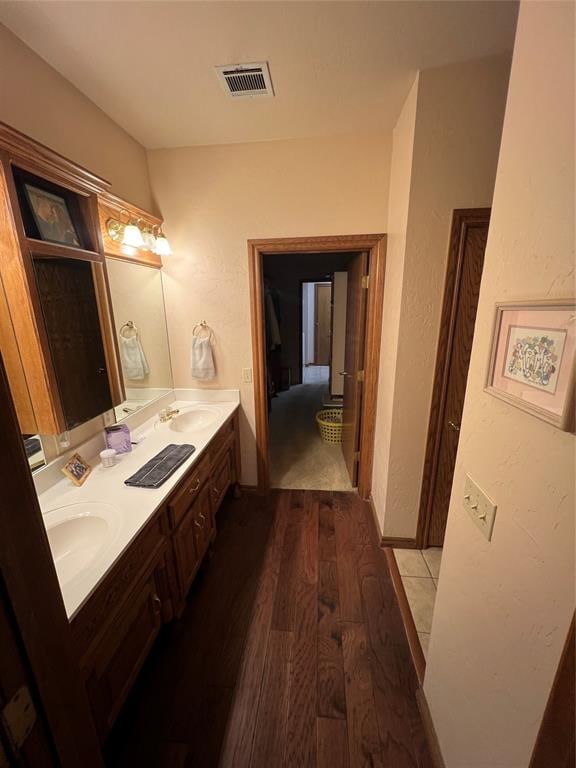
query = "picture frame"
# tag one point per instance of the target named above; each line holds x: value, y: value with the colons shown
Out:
x: 77, y: 469
x: 52, y: 216
x: 532, y: 359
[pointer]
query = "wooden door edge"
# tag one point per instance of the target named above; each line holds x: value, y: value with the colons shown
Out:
x: 375, y: 244
x: 461, y: 219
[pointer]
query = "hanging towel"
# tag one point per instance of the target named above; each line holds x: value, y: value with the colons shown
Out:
x: 201, y: 358
x: 134, y: 363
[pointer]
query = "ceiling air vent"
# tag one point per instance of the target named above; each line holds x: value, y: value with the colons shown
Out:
x: 246, y: 79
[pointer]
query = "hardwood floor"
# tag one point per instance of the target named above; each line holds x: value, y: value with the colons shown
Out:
x: 291, y: 651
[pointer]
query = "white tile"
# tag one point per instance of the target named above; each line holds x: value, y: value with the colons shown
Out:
x: 424, y: 640
x: 433, y: 557
x: 410, y: 562
x: 421, y: 594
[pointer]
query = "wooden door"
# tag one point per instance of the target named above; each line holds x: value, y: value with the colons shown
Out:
x: 468, y: 243
x: 353, y: 372
x: 322, y: 323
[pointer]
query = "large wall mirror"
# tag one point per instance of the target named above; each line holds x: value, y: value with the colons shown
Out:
x: 140, y: 325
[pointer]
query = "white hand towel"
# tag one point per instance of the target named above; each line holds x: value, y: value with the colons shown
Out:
x: 201, y: 358
x: 134, y: 361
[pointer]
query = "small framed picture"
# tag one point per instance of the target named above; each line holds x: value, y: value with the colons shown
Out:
x: 76, y: 469
x: 532, y: 359
x: 52, y: 216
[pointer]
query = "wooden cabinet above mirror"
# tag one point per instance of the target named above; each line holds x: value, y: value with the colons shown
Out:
x: 56, y: 334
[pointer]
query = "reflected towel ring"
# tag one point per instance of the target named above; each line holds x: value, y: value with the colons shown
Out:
x: 203, y: 327
x: 130, y: 326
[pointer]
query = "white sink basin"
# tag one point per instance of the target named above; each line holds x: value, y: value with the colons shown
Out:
x: 198, y: 417
x: 79, y: 534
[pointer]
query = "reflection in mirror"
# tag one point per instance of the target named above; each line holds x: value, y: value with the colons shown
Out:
x: 34, y: 451
x: 140, y: 320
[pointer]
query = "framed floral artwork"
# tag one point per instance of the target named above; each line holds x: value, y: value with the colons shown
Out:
x: 532, y: 359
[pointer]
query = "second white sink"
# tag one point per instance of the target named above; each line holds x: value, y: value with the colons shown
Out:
x: 198, y: 417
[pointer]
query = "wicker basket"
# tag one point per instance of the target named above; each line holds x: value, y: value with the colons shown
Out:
x: 330, y: 425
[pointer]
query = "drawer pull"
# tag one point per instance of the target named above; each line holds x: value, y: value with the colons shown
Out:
x: 197, y: 524
x: 157, y: 603
x: 216, y: 491
x: 193, y: 490
x: 202, y: 516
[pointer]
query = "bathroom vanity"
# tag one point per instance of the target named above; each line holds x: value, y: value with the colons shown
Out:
x: 119, y: 595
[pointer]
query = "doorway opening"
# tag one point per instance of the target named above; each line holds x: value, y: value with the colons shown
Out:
x: 299, y: 345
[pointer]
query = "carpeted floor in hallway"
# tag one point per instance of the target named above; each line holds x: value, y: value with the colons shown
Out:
x: 299, y: 458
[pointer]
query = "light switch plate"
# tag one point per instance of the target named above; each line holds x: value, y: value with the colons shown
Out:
x: 247, y: 375
x: 480, y: 507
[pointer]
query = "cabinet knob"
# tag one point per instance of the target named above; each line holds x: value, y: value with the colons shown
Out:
x: 157, y: 603
x: 195, y: 488
x: 101, y: 370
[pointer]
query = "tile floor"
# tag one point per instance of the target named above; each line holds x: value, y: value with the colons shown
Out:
x: 420, y: 570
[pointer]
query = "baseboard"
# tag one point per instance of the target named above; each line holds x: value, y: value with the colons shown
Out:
x: 429, y: 730
x: 407, y: 619
x: 398, y: 543
x: 253, y: 490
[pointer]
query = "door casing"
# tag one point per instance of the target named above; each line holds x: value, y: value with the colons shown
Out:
x: 375, y: 245
x: 461, y: 220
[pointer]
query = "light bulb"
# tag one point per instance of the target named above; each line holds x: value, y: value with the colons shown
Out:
x: 132, y: 236
x: 163, y: 246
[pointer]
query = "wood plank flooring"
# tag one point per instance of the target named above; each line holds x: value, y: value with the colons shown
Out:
x: 291, y: 652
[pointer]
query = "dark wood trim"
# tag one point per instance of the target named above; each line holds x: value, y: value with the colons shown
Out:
x: 461, y: 220
x: 429, y: 730
x: 398, y: 542
x: 45, y: 249
x: 376, y: 247
x: 555, y: 747
x: 33, y: 593
x: 407, y: 618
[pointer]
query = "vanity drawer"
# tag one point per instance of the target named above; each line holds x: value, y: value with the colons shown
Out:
x: 189, y: 490
x: 93, y: 617
x: 222, y: 439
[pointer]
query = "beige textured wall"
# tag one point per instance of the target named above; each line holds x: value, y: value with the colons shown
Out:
x: 215, y: 198
x: 459, y: 116
x: 38, y: 101
x: 503, y: 608
x: 398, y: 205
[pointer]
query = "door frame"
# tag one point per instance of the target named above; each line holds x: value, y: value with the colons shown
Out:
x: 462, y: 219
x: 316, y: 286
x: 375, y: 245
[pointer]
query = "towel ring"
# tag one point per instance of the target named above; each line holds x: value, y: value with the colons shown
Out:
x: 131, y: 327
x: 203, y: 327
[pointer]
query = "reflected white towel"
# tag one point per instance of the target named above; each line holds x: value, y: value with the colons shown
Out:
x: 201, y: 359
x: 134, y: 363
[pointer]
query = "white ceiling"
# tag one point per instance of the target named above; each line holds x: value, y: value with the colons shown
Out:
x: 337, y: 67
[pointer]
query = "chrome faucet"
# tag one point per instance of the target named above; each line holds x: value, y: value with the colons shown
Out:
x: 168, y: 413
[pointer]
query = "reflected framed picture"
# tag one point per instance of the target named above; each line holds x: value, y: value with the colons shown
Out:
x: 76, y: 469
x: 532, y: 359
x: 52, y: 216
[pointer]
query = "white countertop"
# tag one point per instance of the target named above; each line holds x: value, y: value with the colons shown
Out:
x: 134, y: 506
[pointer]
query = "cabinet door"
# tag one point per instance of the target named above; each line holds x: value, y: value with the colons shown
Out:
x: 221, y: 478
x: 70, y: 310
x: 192, y: 538
x: 122, y: 652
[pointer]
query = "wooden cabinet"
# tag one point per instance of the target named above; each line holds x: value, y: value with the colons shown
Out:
x: 51, y: 246
x: 147, y: 586
x: 122, y: 651
x: 192, y: 538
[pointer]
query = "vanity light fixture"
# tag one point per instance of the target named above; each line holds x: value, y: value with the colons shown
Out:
x: 162, y: 245
x: 137, y: 234
x: 133, y: 236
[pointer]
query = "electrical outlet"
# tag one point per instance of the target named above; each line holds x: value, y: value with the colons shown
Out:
x: 247, y: 375
x: 480, y: 507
